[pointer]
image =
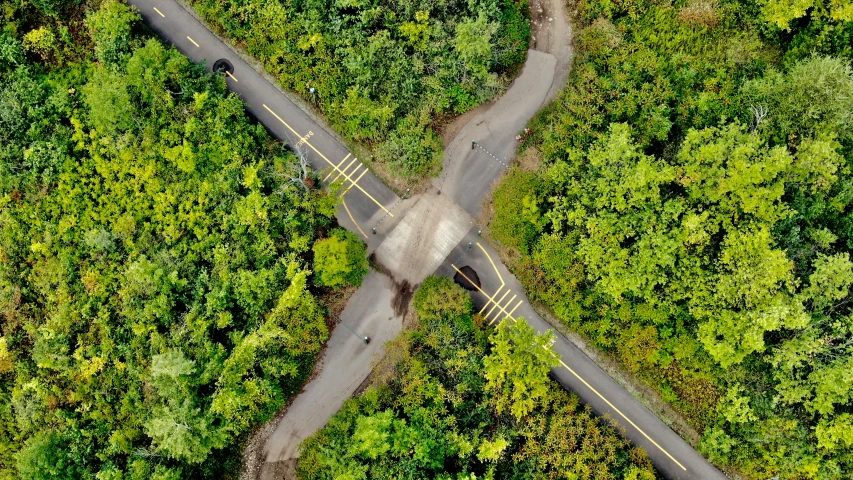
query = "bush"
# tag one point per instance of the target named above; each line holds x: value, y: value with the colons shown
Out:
x: 110, y: 28
x: 513, y: 36
x: 815, y: 97
x: 411, y: 150
x: 339, y: 260
x: 439, y: 299
x: 41, y: 41
x: 517, y: 221
x: 53, y: 7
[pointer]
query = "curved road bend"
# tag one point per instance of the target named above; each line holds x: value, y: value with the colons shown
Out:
x: 469, y: 174
x: 366, y: 199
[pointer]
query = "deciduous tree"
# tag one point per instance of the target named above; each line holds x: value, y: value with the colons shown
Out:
x: 517, y: 369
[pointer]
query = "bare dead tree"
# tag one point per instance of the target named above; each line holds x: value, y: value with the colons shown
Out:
x: 302, y: 169
x: 759, y: 113
x: 146, y: 453
x: 298, y: 174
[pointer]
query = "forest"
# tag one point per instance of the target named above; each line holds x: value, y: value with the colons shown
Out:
x: 386, y: 75
x: 691, y: 216
x: 457, y: 399
x: 162, y: 269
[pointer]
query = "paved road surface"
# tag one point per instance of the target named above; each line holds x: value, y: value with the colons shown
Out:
x: 365, y: 315
x: 368, y: 199
x: 469, y: 175
x: 484, y: 147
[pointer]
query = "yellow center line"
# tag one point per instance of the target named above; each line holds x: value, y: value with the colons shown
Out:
x: 622, y: 414
x: 508, y: 304
x: 190, y: 39
x: 510, y: 317
x: 350, y: 216
x: 493, y: 263
x: 337, y: 166
x: 491, y: 299
x: 497, y: 303
x: 158, y: 11
x: 326, y: 159
x: 342, y: 172
x: 466, y: 278
x: 232, y: 76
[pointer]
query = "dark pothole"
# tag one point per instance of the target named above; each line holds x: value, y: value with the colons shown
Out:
x: 467, y: 278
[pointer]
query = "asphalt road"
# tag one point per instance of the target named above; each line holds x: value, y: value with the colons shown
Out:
x: 482, y: 150
x: 347, y: 357
x: 466, y: 180
x: 502, y: 296
x: 367, y: 200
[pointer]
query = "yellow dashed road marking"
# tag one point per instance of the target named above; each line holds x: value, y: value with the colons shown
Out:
x: 328, y: 161
x: 498, y: 303
x: 232, y: 76
x: 159, y: 12
x: 497, y: 317
x: 190, y: 39
x: 513, y: 310
x: 491, y: 299
x: 362, y: 174
x: 478, y: 288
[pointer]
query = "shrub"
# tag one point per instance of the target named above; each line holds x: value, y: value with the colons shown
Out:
x: 110, y: 29
x: 700, y: 13
x: 339, y: 260
x: 517, y: 221
x: 411, y: 150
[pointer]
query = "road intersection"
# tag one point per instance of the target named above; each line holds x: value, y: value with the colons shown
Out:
x: 468, y: 176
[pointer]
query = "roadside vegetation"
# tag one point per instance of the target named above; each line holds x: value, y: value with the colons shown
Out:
x: 693, y: 218
x: 387, y: 75
x: 156, y: 252
x: 461, y: 400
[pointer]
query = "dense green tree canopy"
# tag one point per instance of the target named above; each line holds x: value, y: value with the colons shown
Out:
x: 516, y: 371
x: 340, y: 259
x: 155, y: 282
x: 693, y: 218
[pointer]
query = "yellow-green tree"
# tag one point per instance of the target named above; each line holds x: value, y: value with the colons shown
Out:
x: 339, y: 260
x: 516, y: 370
